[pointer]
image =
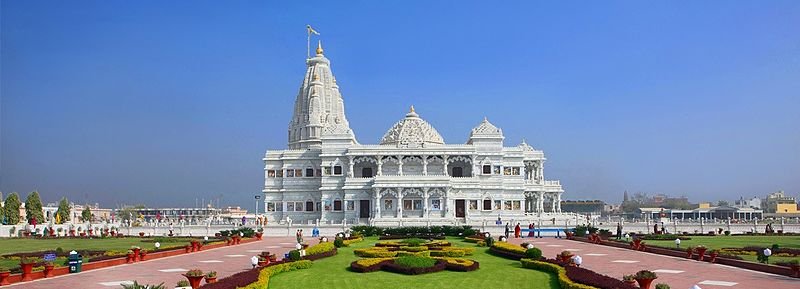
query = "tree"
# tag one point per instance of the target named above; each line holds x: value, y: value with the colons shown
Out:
x: 2, y: 211
x: 12, y: 209
x: 63, y: 211
x: 86, y: 215
x: 33, y: 208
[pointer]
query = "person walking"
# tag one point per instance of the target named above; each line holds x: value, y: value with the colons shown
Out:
x: 517, y: 231
x: 619, y: 231
x: 508, y: 231
x: 297, y: 236
x: 530, y: 230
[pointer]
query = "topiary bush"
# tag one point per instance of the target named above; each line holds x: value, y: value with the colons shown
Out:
x: 415, y: 261
x: 489, y: 241
x: 338, y: 243
x: 533, y: 253
x: 294, y: 255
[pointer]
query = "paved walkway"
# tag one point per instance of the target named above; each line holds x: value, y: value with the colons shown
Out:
x: 679, y: 273
x: 225, y: 260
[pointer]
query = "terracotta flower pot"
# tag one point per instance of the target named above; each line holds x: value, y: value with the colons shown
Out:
x: 630, y: 282
x: 4, y: 278
x: 26, y: 271
x: 228, y: 242
x: 188, y: 248
x: 129, y: 258
x: 136, y: 252
x: 72, y: 233
x: 259, y: 235
x: 713, y: 257
x: 689, y: 252
x: 644, y: 283
x: 565, y: 259
x: 48, y: 270
x: 194, y: 281
x: 263, y: 263
x: 211, y: 279
x: 142, y: 255
x: 700, y: 253
x: 637, y: 243
x: 90, y: 232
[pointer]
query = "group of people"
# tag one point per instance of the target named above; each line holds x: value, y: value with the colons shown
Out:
x: 518, y: 230
x: 299, y: 236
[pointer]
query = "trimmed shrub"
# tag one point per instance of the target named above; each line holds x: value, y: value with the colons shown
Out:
x: 266, y: 273
x: 294, y: 255
x: 415, y: 261
x: 533, y: 253
x: 320, y: 248
x: 338, y: 243
x: 563, y: 280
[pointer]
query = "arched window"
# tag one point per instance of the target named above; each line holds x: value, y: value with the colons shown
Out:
x: 309, y: 206
x: 458, y: 172
x: 487, y: 169
x: 487, y: 204
x: 366, y: 172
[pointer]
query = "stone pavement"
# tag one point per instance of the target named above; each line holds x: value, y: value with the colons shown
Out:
x: 225, y: 260
x: 679, y: 273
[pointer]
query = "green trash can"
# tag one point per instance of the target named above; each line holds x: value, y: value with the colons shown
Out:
x: 75, y: 262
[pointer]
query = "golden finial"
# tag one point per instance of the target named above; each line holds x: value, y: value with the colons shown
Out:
x: 412, y: 109
x: 319, y: 47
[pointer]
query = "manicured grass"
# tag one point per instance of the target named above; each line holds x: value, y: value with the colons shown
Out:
x: 20, y: 245
x: 718, y: 242
x: 494, y: 272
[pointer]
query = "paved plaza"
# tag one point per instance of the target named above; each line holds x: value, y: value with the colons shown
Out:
x: 679, y: 273
x: 225, y: 260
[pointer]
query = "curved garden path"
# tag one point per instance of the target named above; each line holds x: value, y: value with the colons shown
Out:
x: 679, y: 273
x: 225, y: 260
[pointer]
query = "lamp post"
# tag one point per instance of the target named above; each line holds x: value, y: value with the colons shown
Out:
x: 678, y: 243
x: 257, y: 198
x: 578, y: 260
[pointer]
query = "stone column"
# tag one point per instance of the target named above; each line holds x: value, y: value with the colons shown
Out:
x: 380, y: 166
x: 400, y: 165
x: 541, y: 202
x: 474, y: 166
x: 350, y: 172
x: 425, y: 202
x: 399, y: 202
x: 558, y: 203
x: 444, y: 163
x: 424, y: 165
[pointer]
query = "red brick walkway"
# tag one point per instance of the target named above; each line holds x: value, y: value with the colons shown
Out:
x: 679, y: 273
x: 225, y: 260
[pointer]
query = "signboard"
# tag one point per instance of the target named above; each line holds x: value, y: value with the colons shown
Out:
x: 49, y: 257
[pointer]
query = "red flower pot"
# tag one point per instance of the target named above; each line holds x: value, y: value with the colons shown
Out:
x: 713, y: 257
x: 4, y: 278
x: 689, y: 252
x: 83, y: 234
x: 565, y: 259
x: 259, y: 235
x: 48, y: 270
x: 142, y: 255
x: 194, y: 281
x: 141, y: 234
x: 630, y: 282
x: 263, y: 263
x: 113, y: 234
x: 644, y: 283
x: 129, y: 258
x: 26, y: 271
x: 136, y: 252
x: 700, y: 253
x: 211, y: 280
x: 796, y: 271
x: 188, y: 248
x: 229, y: 242
x: 90, y: 232
x: 637, y: 243
x: 72, y: 233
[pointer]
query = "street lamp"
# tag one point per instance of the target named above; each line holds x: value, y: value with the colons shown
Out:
x: 677, y: 243
x: 257, y: 198
x: 578, y: 260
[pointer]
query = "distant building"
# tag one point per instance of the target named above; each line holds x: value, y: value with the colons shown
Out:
x: 704, y: 211
x: 780, y: 203
x: 754, y: 202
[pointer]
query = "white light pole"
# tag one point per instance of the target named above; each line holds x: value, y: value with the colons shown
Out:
x: 257, y: 198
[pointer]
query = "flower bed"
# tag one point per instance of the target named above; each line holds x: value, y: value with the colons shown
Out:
x: 409, y: 269
x: 561, y: 273
x: 369, y: 264
x: 506, y: 250
x: 257, y: 278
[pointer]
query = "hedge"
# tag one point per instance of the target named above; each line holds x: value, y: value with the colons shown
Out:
x: 320, y: 248
x: 415, y: 231
x: 563, y: 280
x: 266, y: 273
x: 503, y: 246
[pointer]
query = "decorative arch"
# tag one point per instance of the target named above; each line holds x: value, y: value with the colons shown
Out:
x: 412, y: 192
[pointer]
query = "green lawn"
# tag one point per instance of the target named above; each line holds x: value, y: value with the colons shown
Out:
x: 718, y: 242
x: 494, y: 272
x: 20, y: 245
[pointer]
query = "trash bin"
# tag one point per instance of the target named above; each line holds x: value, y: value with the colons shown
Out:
x: 75, y: 262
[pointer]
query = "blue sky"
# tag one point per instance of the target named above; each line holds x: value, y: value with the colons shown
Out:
x: 162, y: 102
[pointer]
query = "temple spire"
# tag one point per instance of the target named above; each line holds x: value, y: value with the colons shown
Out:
x: 319, y: 47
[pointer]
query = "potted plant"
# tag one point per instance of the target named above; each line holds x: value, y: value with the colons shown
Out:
x: 259, y: 234
x: 636, y: 243
x: 701, y: 251
x: 211, y: 277
x: 662, y: 286
x: 142, y: 254
x: 71, y: 231
x: 130, y: 257
x: 4, y: 273
x: 712, y: 255
x: 194, y: 276
x: 629, y: 279
x: 228, y: 241
x: 26, y: 264
x: 136, y: 251
x: 645, y: 278
x: 81, y: 232
x: 565, y: 256
x: 262, y: 262
x: 183, y: 284
x: 48, y: 269
x: 689, y: 252
x: 90, y: 230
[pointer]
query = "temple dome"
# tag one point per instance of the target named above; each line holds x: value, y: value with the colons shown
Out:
x: 412, y: 131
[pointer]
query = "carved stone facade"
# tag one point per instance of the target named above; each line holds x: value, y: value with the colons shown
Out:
x: 411, y: 178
